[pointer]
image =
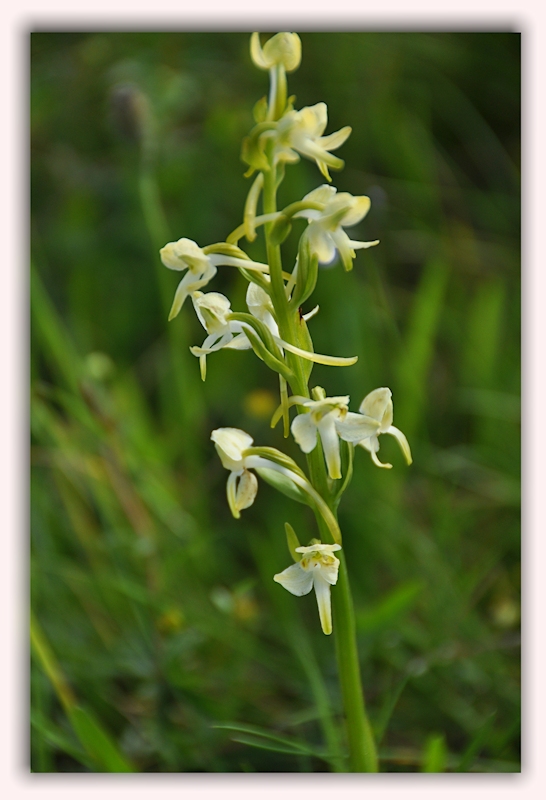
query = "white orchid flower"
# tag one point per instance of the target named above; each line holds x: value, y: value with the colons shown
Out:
x: 321, y: 416
x: 377, y: 405
x: 283, y: 49
x: 318, y: 570
x: 300, y: 132
x: 325, y: 231
x: 185, y: 254
x: 213, y: 309
x: 242, y: 485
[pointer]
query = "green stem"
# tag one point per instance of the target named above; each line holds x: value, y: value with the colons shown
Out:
x: 362, y: 751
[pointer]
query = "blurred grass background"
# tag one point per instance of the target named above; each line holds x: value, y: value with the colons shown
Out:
x: 156, y: 619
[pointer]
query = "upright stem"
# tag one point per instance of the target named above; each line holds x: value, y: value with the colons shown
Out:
x: 362, y: 752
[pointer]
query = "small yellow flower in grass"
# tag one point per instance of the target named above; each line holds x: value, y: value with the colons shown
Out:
x: 354, y: 428
x: 325, y: 231
x: 318, y: 570
x: 300, y: 132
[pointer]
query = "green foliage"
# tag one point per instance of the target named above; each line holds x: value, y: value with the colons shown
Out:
x: 142, y: 583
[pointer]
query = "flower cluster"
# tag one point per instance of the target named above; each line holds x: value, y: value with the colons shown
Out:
x: 274, y: 327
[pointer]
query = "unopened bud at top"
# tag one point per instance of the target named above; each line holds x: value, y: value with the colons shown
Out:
x: 282, y: 49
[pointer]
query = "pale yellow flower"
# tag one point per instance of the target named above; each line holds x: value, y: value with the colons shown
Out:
x: 318, y: 570
x: 377, y: 405
x: 325, y: 231
x: 300, y: 132
x: 283, y: 49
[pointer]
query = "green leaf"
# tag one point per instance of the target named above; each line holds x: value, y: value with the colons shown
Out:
x: 477, y: 743
x: 58, y: 740
x: 97, y: 742
x: 260, y: 737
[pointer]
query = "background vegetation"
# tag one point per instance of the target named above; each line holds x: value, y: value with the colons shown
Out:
x: 156, y: 619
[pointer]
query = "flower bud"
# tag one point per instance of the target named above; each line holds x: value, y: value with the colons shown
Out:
x: 282, y: 49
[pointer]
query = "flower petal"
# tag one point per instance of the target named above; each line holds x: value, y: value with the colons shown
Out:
x: 239, y: 342
x: 323, y: 194
x: 295, y: 579
x: 256, y: 52
x: 402, y: 441
x: 230, y: 443
x: 359, y: 208
x: 231, y: 491
x: 335, y: 140
x: 247, y: 490
x: 304, y: 432
x: 362, y: 245
x: 356, y: 427
x: 378, y: 404
x: 184, y: 254
x: 321, y: 243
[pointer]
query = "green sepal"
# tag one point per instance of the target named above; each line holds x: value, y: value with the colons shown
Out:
x: 284, y: 485
x: 292, y: 541
x: 280, y: 230
x: 259, y: 112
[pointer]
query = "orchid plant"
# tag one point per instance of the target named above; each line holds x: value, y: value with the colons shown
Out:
x: 273, y: 327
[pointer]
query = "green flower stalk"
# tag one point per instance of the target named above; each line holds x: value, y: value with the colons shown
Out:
x: 273, y: 327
